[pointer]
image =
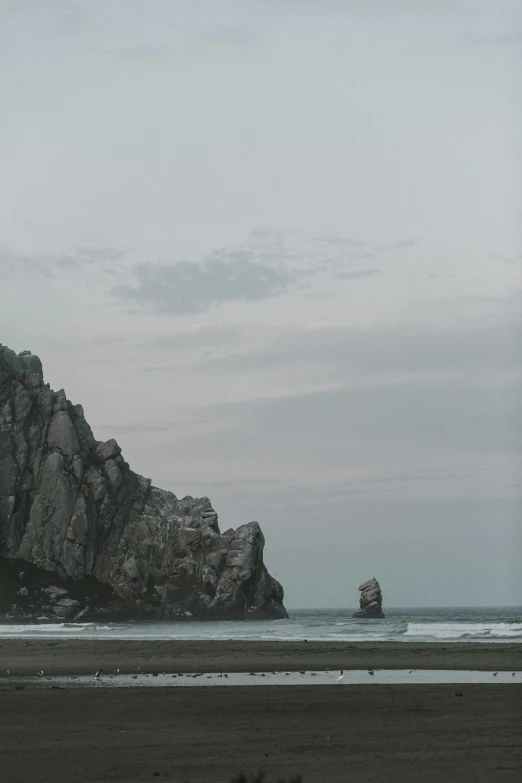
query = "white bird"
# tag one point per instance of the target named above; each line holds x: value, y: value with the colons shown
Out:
x: 40, y: 673
x: 340, y: 679
x: 117, y: 671
x: 97, y: 674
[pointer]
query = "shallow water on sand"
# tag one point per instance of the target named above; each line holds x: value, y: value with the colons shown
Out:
x: 352, y: 677
x: 497, y: 624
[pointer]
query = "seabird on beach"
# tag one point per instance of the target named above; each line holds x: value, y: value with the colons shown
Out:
x: 370, y: 671
x: 40, y: 673
x: 495, y: 674
x: 97, y: 674
x: 340, y: 679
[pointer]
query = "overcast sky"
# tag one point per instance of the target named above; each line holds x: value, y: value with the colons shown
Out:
x: 274, y: 248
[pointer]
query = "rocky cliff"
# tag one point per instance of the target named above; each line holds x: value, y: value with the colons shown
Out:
x: 370, y: 601
x: 81, y: 534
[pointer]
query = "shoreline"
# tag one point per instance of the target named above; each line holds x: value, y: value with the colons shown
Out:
x: 387, y: 732
x: 24, y: 657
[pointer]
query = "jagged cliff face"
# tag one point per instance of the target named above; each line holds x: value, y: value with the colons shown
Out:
x: 74, y: 512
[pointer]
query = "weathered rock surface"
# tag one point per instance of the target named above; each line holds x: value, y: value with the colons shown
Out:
x: 79, y: 530
x: 370, y: 601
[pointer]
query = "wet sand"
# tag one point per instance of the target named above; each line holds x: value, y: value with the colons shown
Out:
x: 198, y: 735
x: 83, y: 656
x: 327, y: 733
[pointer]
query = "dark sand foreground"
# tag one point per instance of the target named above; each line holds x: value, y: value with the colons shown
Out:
x: 78, y: 656
x: 394, y: 733
x: 334, y: 733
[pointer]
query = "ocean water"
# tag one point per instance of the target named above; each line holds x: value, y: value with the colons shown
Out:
x: 498, y: 624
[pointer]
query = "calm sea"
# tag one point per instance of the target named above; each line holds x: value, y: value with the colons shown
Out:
x: 499, y: 624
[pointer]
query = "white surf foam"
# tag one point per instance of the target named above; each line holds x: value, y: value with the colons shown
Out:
x: 461, y: 630
x: 43, y: 628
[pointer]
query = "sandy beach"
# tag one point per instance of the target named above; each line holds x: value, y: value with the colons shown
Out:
x: 79, y: 656
x: 197, y: 735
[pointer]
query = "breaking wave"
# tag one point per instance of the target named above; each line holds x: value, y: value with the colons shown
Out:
x: 49, y: 629
x: 493, y: 624
x: 465, y: 630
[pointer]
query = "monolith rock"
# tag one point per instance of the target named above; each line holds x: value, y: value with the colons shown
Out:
x: 370, y: 601
x: 83, y: 537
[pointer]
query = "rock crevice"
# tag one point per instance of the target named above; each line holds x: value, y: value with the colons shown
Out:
x: 71, y: 507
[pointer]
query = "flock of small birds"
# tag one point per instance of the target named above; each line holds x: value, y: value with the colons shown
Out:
x: 340, y: 679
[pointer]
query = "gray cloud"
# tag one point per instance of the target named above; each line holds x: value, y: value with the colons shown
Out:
x: 148, y: 426
x: 85, y: 256
x: 327, y: 424
x: 66, y: 16
x: 153, y: 54
x: 501, y: 39
x: 357, y: 274
x: 15, y: 265
x: 343, y: 352
x: 182, y: 288
x: 273, y: 493
x: 267, y: 264
x: 202, y: 337
x: 52, y: 263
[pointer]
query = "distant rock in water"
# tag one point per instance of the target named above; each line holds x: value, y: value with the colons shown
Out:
x: 370, y: 601
x: 83, y: 536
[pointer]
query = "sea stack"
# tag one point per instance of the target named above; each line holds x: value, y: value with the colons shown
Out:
x: 370, y: 601
x: 83, y: 536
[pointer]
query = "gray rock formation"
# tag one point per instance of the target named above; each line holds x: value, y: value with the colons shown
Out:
x: 81, y: 532
x: 370, y: 601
